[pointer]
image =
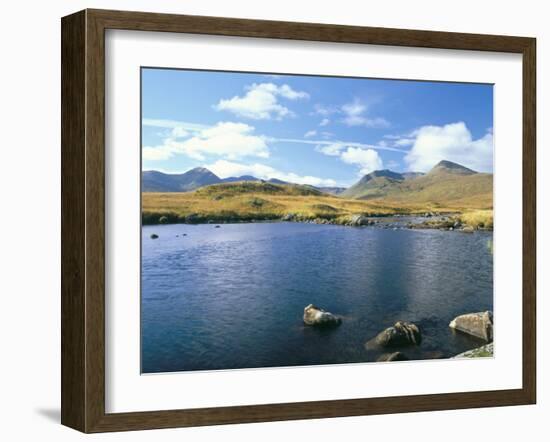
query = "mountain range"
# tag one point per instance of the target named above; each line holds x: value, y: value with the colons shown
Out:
x: 155, y: 181
x: 445, y: 183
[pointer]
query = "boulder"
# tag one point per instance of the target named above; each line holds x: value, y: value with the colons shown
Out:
x: 401, y: 334
x: 289, y: 217
x: 395, y: 356
x: 316, y: 316
x: 467, y: 229
x: 359, y: 220
x: 154, y: 236
x: 479, y: 324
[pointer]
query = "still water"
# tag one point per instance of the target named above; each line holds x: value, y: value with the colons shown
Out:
x: 233, y: 297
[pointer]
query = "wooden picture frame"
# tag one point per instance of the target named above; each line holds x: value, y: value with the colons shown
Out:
x: 83, y: 220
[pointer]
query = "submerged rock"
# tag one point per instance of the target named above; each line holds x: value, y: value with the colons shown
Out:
x: 479, y: 324
x: 401, y: 334
x: 390, y: 357
x: 485, y: 351
x: 316, y: 316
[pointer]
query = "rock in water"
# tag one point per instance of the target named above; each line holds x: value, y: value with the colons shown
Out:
x: 475, y: 324
x: 359, y: 220
x: 154, y: 236
x: 486, y: 351
x: 318, y: 317
x: 395, y: 356
x: 401, y: 334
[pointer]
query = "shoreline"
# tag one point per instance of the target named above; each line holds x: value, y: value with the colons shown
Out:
x: 434, y: 221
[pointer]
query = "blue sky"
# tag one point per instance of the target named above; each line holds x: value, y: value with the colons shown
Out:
x: 312, y: 130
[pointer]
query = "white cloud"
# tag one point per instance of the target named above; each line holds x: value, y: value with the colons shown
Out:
x: 452, y: 142
x: 173, y: 124
x: 229, y: 140
x: 333, y: 149
x: 325, y: 111
x: 224, y: 169
x: 367, y: 159
x: 354, y: 115
x: 179, y: 132
x: 354, y: 108
x: 261, y: 102
x: 310, y: 133
x: 324, y: 122
x: 157, y: 153
x: 403, y: 142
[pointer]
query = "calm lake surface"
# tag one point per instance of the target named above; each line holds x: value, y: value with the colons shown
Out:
x: 233, y: 297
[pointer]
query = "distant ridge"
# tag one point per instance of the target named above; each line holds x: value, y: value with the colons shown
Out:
x: 446, y: 183
x: 155, y: 181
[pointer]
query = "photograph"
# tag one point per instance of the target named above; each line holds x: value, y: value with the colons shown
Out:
x: 303, y: 220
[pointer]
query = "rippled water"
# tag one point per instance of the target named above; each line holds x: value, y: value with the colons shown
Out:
x: 233, y: 297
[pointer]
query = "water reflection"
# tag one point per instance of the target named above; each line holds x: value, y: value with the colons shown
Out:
x: 233, y: 297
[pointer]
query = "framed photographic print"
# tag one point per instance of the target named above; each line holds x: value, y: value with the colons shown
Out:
x: 269, y: 220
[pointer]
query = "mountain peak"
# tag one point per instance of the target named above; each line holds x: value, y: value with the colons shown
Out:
x: 200, y: 170
x: 381, y: 173
x: 450, y: 167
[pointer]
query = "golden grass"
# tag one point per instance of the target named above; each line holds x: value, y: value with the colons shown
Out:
x: 478, y: 218
x: 264, y: 201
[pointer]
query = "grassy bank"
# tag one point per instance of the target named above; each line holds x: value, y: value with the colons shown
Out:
x: 256, y: 201
x: 478, y: 219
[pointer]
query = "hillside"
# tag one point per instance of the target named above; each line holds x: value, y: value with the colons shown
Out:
x: 247, y: 201
x: 224, y: 190
x: 446, y: 185
x: 374, y: 184
x: 201, y: 196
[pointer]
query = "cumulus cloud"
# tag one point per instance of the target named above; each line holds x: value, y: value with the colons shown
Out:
x: 452, y: 142
x: 355, y: 115
x: 332, y: 149
x: 261, y: 102
x: 230, y: 140
x: 224, y: 169
x: 324, y: 122
x: 158, y: 153
x: 367, y: 159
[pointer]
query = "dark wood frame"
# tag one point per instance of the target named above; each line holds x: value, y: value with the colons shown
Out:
x: 83, y: 218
